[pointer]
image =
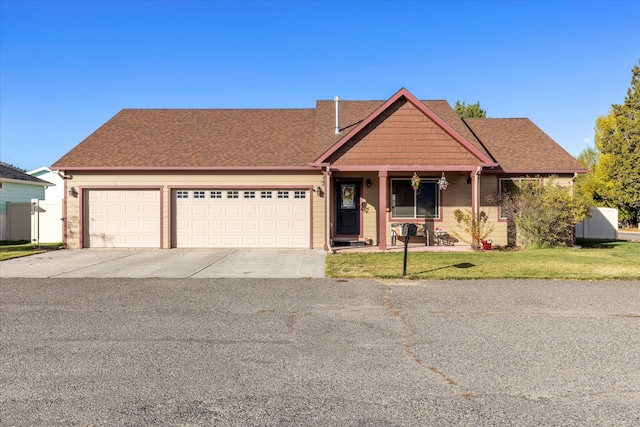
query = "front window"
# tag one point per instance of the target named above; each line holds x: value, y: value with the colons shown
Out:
x: 422, y: 203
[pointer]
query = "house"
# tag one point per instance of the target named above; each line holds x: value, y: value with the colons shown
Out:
x: 295, y: 178
x: 54, y: 193
x: 17, y: 190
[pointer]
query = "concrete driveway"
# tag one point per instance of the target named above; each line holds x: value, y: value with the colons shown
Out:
x: 174, y: 263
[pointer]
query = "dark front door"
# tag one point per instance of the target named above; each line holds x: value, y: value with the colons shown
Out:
x: 348, y: 208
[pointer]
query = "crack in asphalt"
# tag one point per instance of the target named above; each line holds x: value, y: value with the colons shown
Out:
x: 396, y: 312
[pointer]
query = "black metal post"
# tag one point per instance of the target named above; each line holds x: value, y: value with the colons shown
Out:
x: 406, y: 244
x: 408, y: 230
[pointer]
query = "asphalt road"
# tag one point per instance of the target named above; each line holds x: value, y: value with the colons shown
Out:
x: 221, y: 352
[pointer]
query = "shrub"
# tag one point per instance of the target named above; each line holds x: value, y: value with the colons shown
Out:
x: 476, y: 226
x: 544, y: 215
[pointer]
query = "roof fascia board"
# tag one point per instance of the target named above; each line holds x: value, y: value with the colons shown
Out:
x: 40, y: 169
x: 404, y: 168
x: 313, y: 168
x: 420, y: 106
x: 530, y: 171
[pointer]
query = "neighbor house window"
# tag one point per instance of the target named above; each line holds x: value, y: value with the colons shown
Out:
x: 423, y: 203
x: 510, y: 187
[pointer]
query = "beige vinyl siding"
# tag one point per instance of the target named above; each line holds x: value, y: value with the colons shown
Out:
x: 170, y: 180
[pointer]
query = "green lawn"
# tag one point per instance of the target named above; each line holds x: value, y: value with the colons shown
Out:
x: 10, y: 250
x: 594, y: 261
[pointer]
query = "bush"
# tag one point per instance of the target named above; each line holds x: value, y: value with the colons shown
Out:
x: 544, y: 215
x: 477, y: 227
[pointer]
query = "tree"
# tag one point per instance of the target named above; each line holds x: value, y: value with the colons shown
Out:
x: 617, y: 139
x: 587, y: 183
x: 472, y: 110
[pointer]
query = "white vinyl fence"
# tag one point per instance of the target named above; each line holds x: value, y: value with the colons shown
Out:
x: 39, y: 221
x: 46, y: 221
x: 602, y: 225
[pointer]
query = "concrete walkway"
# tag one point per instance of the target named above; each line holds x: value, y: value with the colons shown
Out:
x: 168, y: 263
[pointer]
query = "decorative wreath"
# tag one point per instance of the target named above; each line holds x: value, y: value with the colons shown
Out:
x: 415, y: 181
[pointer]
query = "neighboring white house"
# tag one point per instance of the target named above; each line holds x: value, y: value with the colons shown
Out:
x: 52, y: 193
x: 46, y: 216
x: 18, y: 190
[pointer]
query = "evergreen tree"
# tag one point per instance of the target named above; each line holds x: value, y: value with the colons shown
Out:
x: 617, y: 139
x: 472, y: 110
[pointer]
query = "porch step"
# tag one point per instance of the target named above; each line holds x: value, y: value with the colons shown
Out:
x: 347, y: 243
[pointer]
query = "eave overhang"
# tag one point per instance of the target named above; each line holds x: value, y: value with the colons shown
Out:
x: 535, y: 171
x: 311, y: 168
x: 18, y: 181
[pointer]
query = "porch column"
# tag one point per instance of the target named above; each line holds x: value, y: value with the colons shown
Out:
x: 382, y: 210
x: 475, y: 197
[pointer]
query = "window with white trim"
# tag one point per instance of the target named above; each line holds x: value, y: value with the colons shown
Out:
x: 216, y: 194
x: 283, y: 194
x: 232, y: 194
x: 300, y: 194
x: 266, y: 195
x: 423, y: 203
x: 182, y: 194
x: 198, y: 194
x: 249, y: 194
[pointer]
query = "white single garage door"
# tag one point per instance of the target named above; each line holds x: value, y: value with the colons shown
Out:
x: 122, y: 219
x: 242, y: 218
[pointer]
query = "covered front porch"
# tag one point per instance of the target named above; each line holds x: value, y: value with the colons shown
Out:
x: 367, y: 209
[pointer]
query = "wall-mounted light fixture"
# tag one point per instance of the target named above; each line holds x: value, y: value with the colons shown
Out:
x: 73, y: 192
x: 368, y: 182
x: 319, y: 191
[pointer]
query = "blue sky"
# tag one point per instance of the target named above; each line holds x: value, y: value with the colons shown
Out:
x: 68, y: 67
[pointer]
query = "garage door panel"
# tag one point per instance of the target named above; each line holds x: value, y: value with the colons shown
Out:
x: 215, y: 209
x: 199, y: 210
x: 266, y: 210
x: 122, y: 218
x: 247, y: 221
x: 232, y: 209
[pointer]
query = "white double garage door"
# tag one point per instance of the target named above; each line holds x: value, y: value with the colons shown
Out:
x: 201, y: 218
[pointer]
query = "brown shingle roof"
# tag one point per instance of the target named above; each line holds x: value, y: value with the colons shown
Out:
x: 286, y: 138
x: 518, y: 145
x: 198, y: 139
